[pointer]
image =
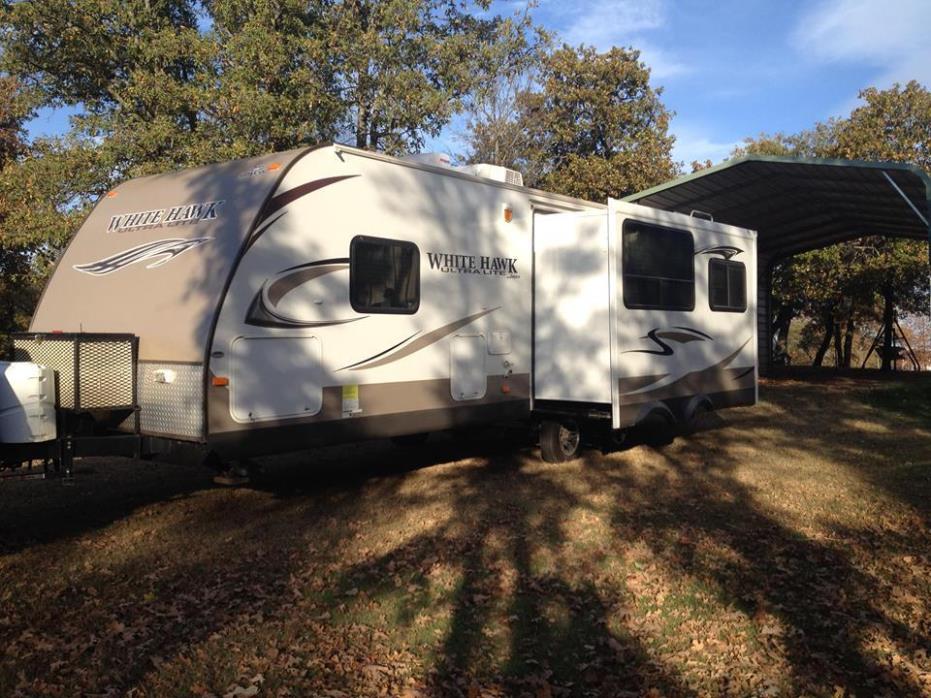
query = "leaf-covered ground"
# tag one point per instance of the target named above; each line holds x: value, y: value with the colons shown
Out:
x: 783, y: 551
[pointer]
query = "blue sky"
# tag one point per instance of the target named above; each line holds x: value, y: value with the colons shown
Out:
x: 735, y: 68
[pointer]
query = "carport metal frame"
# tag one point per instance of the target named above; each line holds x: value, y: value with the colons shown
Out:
x: 772, y: 198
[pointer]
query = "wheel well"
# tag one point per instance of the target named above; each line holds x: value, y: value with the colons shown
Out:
x: 655, y: 410
x: 695, y: 404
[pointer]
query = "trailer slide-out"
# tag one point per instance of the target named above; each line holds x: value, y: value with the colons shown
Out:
x: 330, y: 294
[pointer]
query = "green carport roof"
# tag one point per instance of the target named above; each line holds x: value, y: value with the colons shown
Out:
x: 802, y: 204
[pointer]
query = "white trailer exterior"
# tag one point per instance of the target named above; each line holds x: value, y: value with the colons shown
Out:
x: 659, y: 344
x: 331, y: 294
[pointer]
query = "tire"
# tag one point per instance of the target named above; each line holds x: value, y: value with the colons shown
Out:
x: 702, y: 419
x: 559, y: 442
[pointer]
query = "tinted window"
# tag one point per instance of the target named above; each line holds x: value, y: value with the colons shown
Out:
x: 658, y: 267
x: 384, y: 275
x: 727, y: 285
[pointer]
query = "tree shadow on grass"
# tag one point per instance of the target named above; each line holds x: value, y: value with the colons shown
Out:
x: 491, y: 569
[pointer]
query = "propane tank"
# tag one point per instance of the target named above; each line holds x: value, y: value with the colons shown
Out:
x: 27, y: 402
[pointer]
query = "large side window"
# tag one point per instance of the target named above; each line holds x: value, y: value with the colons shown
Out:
x: 658, y: 267
x: 727, y: 285
x: 384, y: 275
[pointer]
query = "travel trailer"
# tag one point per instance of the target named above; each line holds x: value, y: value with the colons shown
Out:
x: 330, y: 294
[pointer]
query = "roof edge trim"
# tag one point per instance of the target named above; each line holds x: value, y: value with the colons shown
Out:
x: 869, y: 164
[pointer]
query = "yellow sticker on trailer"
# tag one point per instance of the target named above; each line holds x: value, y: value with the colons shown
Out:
x: 350, y: 400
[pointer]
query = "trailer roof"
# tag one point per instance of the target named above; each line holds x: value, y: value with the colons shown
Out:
x: 802, y: 204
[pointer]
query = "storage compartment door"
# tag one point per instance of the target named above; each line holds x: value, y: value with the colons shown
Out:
x: 275, y: 377
x: 467, y: 380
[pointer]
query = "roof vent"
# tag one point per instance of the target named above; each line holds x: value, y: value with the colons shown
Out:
x: 495, y: 172
x: 435, y: 159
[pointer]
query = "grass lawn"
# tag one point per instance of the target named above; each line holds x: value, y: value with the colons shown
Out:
x: 785, y: 551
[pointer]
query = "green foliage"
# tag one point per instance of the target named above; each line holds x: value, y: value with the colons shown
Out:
x: 589, y: 125
x: 843, y: 283
x: 893, y: 125
x: 164, y: 84
x: 404, y: 67
x: 495, y: 131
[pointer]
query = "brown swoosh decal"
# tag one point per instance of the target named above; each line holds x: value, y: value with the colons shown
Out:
x: 423, y: 342
x: 381, y: 353
x: 287, y: 197
x: 711, y: 379
x: 632, y: 383
x: 680, y: 337
x: 282, y: 286
x: 265, y: 226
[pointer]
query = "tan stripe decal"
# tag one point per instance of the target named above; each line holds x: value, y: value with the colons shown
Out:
x: 422, y: 342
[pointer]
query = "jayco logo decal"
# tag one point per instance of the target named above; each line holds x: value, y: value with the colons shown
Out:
x: 473, y: 264
x: 171, y: 215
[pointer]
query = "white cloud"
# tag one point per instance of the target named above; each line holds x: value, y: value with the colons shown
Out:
x: 692, y: 143
x: 607, y: 23
x: 599, y: 23
x: 890, y: 35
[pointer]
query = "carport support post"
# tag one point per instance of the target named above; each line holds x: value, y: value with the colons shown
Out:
x: 764, y: 317
x: 888, y: 329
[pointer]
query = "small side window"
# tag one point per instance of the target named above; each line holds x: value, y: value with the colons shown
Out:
x: 727, y: 285
x: 384, y: 276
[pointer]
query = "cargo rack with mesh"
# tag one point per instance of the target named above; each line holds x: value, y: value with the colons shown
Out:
x: 96, y: 397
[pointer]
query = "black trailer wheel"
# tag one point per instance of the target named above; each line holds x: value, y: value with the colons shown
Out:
x: 700, y: 418
x: 559, y: 442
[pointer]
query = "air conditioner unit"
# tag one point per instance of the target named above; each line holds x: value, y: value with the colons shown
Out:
x: 435, y: 159
x: 495, y: 172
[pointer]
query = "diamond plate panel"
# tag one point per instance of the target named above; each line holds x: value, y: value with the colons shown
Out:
x: 105, y: 374
x: 57, y: 354
x: 173, y: 408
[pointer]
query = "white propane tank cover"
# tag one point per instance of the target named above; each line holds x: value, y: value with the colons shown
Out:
x: 27, y: 402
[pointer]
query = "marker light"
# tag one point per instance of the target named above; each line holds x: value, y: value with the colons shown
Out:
x: 220, y: 381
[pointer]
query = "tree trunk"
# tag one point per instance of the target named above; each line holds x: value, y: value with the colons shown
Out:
x: 826, y: 342
x: 838, y: 349
x: 848, y: 341
x: 362, y: 125
x: 780, y: 328
x: 888, y: 320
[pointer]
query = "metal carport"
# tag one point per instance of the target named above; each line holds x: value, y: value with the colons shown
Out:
x: 801, y: 204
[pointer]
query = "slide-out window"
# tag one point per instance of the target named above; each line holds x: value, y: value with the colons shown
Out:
x: 384, y: 275
x: 727, y: 285
x: 658, y: 267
